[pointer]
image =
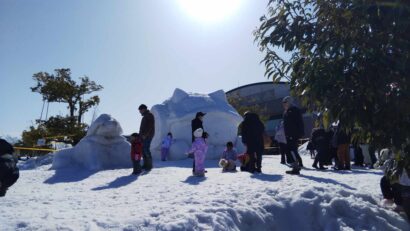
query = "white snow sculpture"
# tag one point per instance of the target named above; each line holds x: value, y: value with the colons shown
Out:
x: 102, y: 148
x: 175, y: 115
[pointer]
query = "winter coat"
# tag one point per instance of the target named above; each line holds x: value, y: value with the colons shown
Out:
x: 9, y: 172
x: 136, y: 149
x: 229, y: 155
x: 320, y: 140
x: 147, y: 128
x: 252, y: 130
x: 5, y: 147
x: 199, y: 148
x: 342, y: 137
x: 195, y: 124
x: 167, y: 142
x: 293, y: 123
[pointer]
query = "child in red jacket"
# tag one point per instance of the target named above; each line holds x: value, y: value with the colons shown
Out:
x: 136, y: 153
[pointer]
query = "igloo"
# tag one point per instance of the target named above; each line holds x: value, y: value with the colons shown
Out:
x: 175, y: 115
x: 102, y: 148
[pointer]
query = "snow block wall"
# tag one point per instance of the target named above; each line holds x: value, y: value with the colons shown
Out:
x: 102, y: 148
x: 175, y: 115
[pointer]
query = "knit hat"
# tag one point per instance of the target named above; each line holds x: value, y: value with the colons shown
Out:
x: 198, y: 132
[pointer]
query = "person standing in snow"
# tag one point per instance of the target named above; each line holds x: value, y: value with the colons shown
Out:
x: 195, y: 124
x: 252, y: 130
x: 147, y: 131
x: 9, y: 172
x: 199, y: 148
x: 165, y: 146
x: 343, y: 141
x: 228, y: 158
x: 294, y: 130
x: 136, y: 153
x: 320, y: 143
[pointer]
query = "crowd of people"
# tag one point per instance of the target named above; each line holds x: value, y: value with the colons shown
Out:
x: 326, y: 146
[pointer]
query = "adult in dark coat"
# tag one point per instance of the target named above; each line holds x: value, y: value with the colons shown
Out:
x: 320, y: 142
x: 9, y: 173
x: 195, y: 124
x: 5, y: 147
x: 147, y: 131
x: 294, y: 130
x: 343, y: 141
x: 252, y: 130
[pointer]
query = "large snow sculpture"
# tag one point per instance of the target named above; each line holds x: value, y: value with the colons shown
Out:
x: 175, y: 115
x: 102, y: 148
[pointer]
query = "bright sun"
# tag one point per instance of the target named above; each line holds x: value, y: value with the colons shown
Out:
x: 210, y: 10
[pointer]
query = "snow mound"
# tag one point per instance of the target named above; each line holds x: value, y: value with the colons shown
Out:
x: 175, y: 115
x: 36, y: 162
x: 102, y: 148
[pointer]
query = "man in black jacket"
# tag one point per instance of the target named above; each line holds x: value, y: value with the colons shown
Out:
x: 294, y: 130
x: 9, y: 173
x: 147, y: 131
x: 197, y: 123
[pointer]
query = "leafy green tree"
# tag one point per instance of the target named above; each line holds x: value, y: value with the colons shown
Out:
x: 30, y: 137
x: 65, y: 127
x: 347, y: 58
x: 61, y: 88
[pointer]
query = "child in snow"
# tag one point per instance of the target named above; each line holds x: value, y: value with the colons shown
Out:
x: 9, y: 173
x: 395, y: 184
x: 136, y: 153
x: 165, y: 146
x: 228, y: 158
x: 199, y: 148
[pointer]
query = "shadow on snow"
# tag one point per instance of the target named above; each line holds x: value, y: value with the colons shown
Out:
x: 326, y: 180
x: 194, y: 180
x: 119, y: 182
x: 67, y: 175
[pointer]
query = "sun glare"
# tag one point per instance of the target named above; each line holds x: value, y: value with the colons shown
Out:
x: 210, y: 10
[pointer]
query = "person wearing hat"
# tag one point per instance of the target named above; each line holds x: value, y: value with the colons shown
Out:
x: 294, y: 130
x: 199, y: 148
x: 195, y: 124
x: 147, y: 131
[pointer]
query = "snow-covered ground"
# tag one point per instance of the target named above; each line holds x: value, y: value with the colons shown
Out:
x: 169, y: 198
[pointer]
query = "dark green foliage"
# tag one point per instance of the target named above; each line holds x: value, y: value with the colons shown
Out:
x: 61, y: 88
x: 348, y: 58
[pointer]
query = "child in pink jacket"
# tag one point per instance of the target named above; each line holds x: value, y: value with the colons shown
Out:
x: 199, y: 148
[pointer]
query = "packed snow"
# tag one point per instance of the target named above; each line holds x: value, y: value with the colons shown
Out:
x: 169, y: 198
x: 103, y: 147
x: 175, y: 115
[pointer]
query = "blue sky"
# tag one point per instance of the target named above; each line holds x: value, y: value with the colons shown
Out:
x: 138, y: 50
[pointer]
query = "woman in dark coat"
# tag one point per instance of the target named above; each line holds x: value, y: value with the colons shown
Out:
x: 252, y: 130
